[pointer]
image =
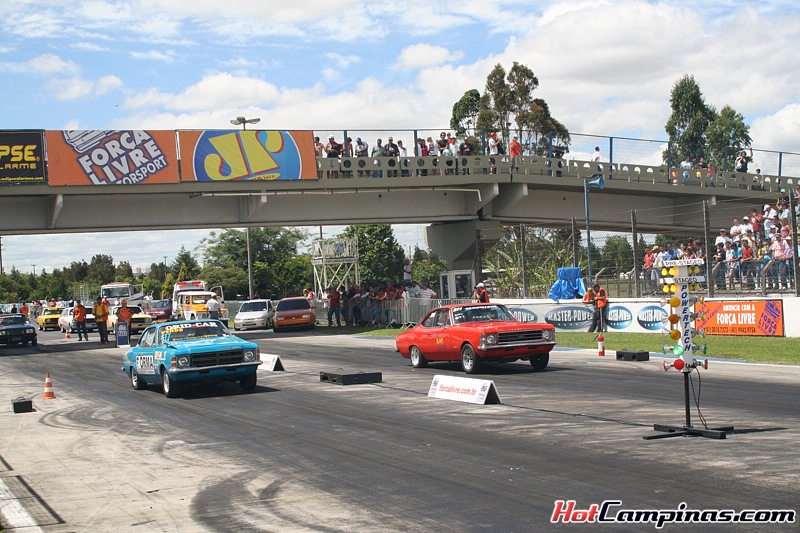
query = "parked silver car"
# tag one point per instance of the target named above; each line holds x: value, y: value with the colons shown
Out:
x: 254, y: 314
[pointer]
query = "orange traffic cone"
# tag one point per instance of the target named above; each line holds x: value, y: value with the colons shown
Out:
x: 48, y: 388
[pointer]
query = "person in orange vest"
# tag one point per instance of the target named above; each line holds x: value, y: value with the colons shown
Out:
x: 125, y: 314
x: 24, y: 309
x: 100, y: 312
x: 481, y: 294
x: 599, y: 298
x: 80, y: 320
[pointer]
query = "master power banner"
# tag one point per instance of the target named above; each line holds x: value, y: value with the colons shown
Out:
x: 111, y: 157
x: 240, y: 155
x: 22, y: 157
x: 757, y: 317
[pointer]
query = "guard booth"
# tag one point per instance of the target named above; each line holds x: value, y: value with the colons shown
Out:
x: 456, y: 284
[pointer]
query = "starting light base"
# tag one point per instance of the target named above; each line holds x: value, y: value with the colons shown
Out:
x: 683, y: 431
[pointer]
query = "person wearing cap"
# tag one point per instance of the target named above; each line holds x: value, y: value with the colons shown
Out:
x: 481, y: 294
x: 425, y: 292
x: 333, y: 149
x: 719, y: 267
x: 597, y: 297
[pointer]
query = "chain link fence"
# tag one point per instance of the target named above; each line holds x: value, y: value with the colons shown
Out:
x: 522, y: 261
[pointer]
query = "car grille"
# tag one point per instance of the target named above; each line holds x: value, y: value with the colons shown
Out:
x: 227, y: 357
x: 519, y: 337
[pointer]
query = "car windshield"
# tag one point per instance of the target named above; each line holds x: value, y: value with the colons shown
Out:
x: 481, y: 313
x: 254, y: 306
x: 52, y: 311
x: 293, y: 305
x: 161, y: 304
x: 12, y: 321
x: 135, y: 309
x: 192, y: 330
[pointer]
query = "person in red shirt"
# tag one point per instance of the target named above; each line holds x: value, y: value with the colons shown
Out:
x: 334, y: 306
x: 79, y: 313
x: 514, y: 150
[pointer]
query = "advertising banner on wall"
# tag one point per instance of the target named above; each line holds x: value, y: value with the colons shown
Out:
x: 242, y: 155
x: 22, y: 157
x: 762, y: 318
x: 111, y: 157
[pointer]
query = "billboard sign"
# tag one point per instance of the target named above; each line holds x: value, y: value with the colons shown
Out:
x: 21, y: 157
x: 112, y: 157
x: 247, y: 155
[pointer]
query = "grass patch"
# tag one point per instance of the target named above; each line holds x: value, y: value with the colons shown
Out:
x: 777, y: 350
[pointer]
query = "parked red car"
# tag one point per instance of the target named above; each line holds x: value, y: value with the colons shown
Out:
x: 476, y: 334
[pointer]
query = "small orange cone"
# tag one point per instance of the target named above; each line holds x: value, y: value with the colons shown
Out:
x: 48, y: 388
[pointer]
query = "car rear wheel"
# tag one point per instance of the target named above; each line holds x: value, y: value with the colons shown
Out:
x: 171, y: 389
x: 540, y: 362
x: 470, y: 361
x: 417, y: 359
x: 137, y: 383
x: 248, y: 382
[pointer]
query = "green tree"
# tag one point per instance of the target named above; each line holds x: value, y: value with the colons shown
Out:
x: 617, y: 254
x: 101, y: 269
x: 380, y: 256
x: 426, y: 266
x: 185, y: 265
x: 688, y: 123
x: 465, y: 113
x: 725, y: 137
x: 124, y: 271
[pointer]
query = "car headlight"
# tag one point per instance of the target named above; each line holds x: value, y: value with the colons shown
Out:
x: 489, y: 338
x: 29, y: 330
x: 548, y: 334
x: 280, y: 318
x: 3, y: 333
x: 183, y: 361
x: 306, y: 315
x: 250, y: 355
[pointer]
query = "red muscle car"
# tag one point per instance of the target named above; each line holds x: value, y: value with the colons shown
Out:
x: 475, y: 334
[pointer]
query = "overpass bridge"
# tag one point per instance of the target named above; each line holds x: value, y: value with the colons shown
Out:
x: 456, y: 196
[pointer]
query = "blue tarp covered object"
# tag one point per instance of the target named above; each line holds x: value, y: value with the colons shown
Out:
x: 569, y: 285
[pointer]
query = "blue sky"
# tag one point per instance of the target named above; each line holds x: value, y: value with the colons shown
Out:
x: 605, y: 68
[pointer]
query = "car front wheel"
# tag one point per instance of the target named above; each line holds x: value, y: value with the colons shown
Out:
x: 540, y: 362
x: 417, y: 359
x: 470, y: 361
x: 137, y: 383
x: 171, y: 389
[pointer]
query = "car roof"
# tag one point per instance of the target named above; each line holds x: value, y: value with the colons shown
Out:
x: 294, y: 298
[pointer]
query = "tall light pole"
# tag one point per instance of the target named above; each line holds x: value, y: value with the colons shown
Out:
x: 244, y: 122
x: 595, y: 180
x: 34, y: 270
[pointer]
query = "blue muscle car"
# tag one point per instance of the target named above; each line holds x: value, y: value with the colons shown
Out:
x: 175, y: 353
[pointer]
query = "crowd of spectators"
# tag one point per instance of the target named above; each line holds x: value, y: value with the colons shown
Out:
x: 373, y: 304
x: 756, y: 252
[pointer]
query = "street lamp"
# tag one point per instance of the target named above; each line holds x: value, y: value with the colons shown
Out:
x: 595, y: 180
x: 244, y: 122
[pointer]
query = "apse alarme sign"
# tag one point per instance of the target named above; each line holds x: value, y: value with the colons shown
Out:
x: 247, y: 155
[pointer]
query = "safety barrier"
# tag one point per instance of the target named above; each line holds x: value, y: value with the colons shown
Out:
x: 383, y: 313
x: 413, y: 166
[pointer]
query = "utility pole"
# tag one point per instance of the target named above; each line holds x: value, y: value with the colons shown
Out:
x: 34, y: 270
x: 1, y: 257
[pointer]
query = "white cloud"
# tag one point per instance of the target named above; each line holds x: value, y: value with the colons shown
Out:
x: 155, y: 55
x: 77, y: 88
x: 43, y: 64
x: 426, y: 55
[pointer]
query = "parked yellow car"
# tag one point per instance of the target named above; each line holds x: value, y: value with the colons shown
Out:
x: 48, y: 319
x: 139, y: 320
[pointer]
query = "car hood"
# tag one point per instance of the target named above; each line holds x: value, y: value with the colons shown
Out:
x: 211, y: 344
x: 252, y: 314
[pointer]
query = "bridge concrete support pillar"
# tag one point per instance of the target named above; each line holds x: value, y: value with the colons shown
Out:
x: 459, y: 244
